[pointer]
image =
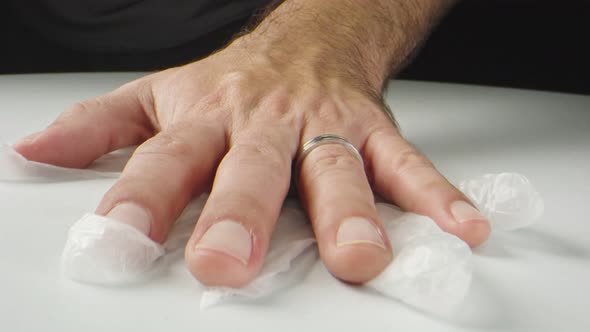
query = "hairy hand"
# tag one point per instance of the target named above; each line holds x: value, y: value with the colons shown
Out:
x: 232, y: 124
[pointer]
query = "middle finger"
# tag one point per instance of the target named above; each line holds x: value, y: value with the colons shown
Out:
x: 233, y: 232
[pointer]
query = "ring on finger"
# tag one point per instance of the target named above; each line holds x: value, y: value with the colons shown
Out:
x: 318, y: 141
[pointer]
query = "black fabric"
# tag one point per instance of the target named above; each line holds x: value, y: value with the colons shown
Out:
x: 119, y: 26
x: 532, y: 44
x: 25, y: 50
x: 514, y: 43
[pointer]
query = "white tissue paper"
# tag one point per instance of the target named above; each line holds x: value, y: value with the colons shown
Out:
x: 430, y: 271
x: 99, y: 250
x: 508, y: 200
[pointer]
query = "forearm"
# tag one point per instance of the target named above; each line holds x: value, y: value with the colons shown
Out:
x: 364, y: 40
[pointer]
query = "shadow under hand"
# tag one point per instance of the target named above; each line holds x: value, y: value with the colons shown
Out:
x: 114, y: 161
x: 500, y: 245
x: 484, y: 307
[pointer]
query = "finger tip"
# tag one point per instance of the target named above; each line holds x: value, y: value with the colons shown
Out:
x: 31, y: 152
x: 357, y: 263
x: 54, y: 146
x: 22, y: 148
x: 474, y: 232
x: 213, y: 268
x: 26, y: 146
x: 34, y: 147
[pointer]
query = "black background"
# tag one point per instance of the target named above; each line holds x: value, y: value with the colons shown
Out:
x: 529, y: 44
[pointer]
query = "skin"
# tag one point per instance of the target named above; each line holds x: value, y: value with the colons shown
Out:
x: 232, y: 124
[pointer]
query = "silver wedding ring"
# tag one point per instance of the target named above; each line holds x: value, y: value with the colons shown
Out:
x: 317, y: 141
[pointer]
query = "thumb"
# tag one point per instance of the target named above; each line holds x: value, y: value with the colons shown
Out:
x: 92, y: 128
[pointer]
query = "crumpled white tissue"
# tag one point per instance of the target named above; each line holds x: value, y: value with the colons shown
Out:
x: 100, y: 250
x: 430, y: 271
x: 508, y: 200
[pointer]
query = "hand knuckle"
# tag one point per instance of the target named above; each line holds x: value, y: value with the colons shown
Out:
x: 166, y: 144
x: 255, y: 154
x: 409, y: 159
x: 277, y: 105
x: 80, y: 107
x: 329, y: 113
x: 329, y: 161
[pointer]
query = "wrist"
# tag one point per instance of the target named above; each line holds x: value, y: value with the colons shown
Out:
x: 345, y: 40
x: 313, y: 57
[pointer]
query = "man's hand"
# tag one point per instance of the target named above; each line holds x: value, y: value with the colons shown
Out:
x: 233, y: 122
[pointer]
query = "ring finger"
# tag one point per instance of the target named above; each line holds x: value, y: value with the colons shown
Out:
x: 339, y: 201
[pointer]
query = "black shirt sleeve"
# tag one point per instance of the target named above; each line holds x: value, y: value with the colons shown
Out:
x: 119, y: 26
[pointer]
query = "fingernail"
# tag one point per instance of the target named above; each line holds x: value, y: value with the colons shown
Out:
x: 230, y: 238
x: 464, y: 212
x: 132, y: 214
x: 358, y: 230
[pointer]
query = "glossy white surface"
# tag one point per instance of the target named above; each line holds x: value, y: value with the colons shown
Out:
x: 534, y: 279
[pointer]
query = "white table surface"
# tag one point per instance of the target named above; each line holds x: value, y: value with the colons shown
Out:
x: 535, y: 279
